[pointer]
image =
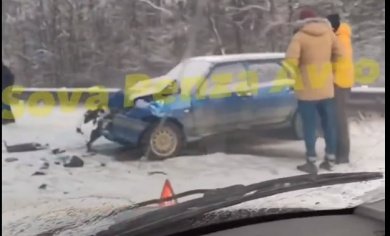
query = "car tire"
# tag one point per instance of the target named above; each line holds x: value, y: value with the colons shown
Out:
x: 297, y: 128
x: 163, y: 140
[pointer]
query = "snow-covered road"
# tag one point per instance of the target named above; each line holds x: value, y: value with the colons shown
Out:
x: 113, y: 178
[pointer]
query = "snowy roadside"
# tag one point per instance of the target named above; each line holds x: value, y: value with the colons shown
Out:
x: 112, y: 179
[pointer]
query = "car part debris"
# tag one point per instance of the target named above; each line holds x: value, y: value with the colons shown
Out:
x: 11, y: 159
x: 38, y: 173
x: 43, y: 186
x: 74, y: 162
x: 157, y: 173
x: 79, y: 131
x: 25, y: 147
x: 45, y: 166
x: 57, y: 151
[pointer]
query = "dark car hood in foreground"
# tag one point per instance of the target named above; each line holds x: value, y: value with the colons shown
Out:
x: 106, y: 218
x: 71, y: 219
x: 94, y: 225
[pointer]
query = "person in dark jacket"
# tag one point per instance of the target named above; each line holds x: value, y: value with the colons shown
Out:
x: 7, y: 80
x: 344, y: 81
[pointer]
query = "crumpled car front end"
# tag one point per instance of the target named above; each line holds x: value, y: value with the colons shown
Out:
x: 128, y: 125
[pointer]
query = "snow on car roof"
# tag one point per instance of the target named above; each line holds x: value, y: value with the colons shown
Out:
x: 240, y: 57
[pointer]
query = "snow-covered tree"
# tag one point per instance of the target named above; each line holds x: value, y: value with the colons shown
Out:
x: 87, y: 42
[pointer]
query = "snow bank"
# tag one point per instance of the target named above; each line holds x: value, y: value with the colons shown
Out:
x: 122, y: 180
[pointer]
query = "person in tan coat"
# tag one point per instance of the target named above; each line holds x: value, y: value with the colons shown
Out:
x: 311, y: 53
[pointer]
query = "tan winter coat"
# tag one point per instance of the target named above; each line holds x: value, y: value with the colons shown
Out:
x: 312, y: 52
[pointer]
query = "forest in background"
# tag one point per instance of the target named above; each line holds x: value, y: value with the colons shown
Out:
x: 78, y: 43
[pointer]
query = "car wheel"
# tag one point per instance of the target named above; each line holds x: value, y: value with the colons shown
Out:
x: 297, y: 127
x: 162, y: 141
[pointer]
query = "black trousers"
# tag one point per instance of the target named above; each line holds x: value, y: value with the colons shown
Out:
x: 343, y: 139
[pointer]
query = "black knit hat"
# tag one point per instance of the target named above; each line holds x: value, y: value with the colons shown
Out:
x: 334, y: 20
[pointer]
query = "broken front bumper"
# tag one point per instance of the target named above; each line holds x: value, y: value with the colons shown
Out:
x: 124, y: 130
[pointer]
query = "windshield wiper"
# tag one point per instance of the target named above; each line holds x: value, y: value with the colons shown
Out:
x: 166, y: 218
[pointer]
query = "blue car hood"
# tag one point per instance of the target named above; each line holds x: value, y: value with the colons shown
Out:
x: 148, y: 87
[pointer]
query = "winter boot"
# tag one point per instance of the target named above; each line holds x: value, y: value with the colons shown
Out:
x: 328, y: 163
x: 308, y: 167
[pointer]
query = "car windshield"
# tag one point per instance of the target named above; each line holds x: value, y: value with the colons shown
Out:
x: 189, y: 69
x: 109, y: 103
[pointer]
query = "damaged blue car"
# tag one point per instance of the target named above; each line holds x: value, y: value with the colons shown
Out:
x: 204, y: 96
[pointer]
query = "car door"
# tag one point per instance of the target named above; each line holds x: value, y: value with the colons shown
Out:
x: 221, y: 102
x: 273, y: 95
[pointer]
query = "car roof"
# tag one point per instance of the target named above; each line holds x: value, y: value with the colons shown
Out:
x: 240, y: 57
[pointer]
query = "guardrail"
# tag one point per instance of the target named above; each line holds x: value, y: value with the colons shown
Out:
x: 25, y: 93
x: 368, y: 98
x: 360, y: 96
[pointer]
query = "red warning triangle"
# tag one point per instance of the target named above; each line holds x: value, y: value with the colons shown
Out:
x: 167, y: 192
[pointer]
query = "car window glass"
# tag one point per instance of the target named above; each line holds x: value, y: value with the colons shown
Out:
x: 265, y: 71
x: 225, y: 80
